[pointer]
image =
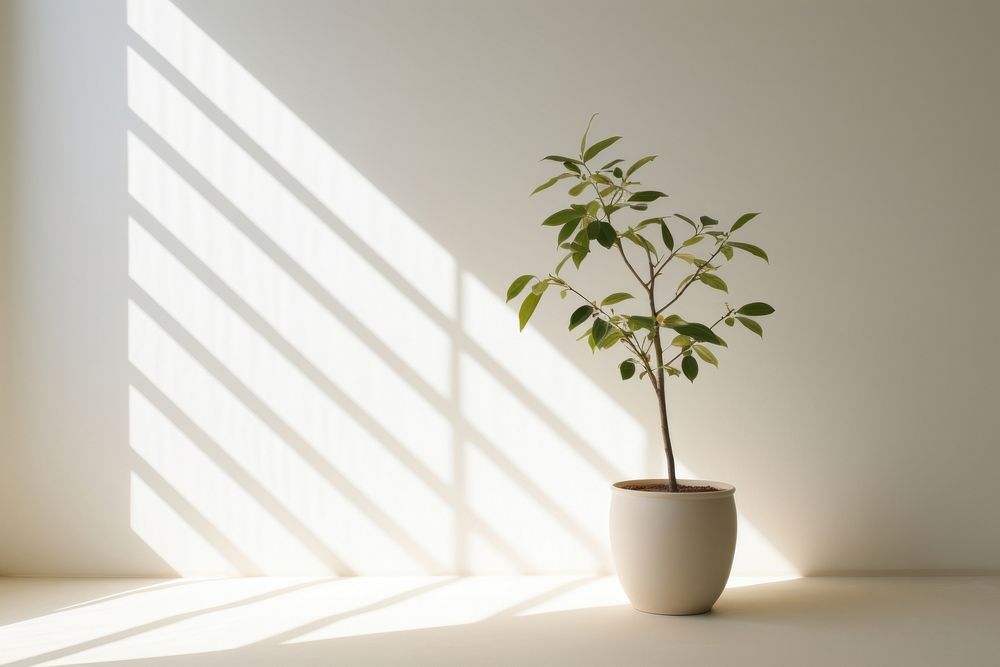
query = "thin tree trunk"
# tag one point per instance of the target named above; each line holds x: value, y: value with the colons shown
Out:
x: 661, y: 398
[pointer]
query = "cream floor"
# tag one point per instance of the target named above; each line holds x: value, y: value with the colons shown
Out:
x: 493, y: 621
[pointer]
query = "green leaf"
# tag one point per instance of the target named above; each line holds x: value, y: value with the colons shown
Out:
x: 593, y: 229
x: 567, y: 231
x: 549, y: 183
x: 611, y: 164
x: 706, y: 355
x: 578, y: 188
x: 598, y: 147
x: 751, y: 325
x: 572, y: 166
x: 690, y: 367
x: 627, y: 369
x: 636, y: 322
x: 592, y: 208
x: 580, y: 316
x: 647, y: 196
x: 671, y: 321
x: 671, y: 371
x: 617, y: 297
x: 610, y: 339
x: 639, y: 240
x: 755, y: 309
x: 618, y: 173
x: 518, y: 285
x: 540, y: 287
x: 691, y: 241
x: 561, y: 217
x: 668, y: 239
x: 707, y: 221
x: 606, y: 235
x: 600, y: 330
x: 699, y: 332
x: 561, y: 262
x: 730, y: 321
x: 579, y: 256
x: 527, y: 308
x: 583, y: 141
x: 562, y: 158
x: 715, y: 281
x: 639, y: 164
x: 744, y: 219
x: 750, y: 248
x: 649, y: 221
x: 727, y: 252
x: 641, y: 206
x: 681, y: 341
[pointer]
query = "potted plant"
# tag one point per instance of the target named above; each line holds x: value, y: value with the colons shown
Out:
x: 672, y: 541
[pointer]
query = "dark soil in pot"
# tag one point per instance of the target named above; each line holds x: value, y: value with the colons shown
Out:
x: 664, y: 488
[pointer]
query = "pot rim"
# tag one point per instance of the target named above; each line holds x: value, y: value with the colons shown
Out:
x: 725, y: 490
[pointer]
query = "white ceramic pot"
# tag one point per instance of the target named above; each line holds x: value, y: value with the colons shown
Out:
x: 673, y: 551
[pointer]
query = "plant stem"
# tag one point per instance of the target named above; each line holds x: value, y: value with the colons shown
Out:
x: 661, y: 397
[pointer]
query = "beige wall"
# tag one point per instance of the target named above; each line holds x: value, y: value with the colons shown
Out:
x: 6, y: 272
x: 861, y: 434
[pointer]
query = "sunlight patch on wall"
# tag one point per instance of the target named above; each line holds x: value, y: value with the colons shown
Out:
x: 321, y: 431
x: 386, y: 230
x: 170, y: 536
x: 561, y: 389
x: 239, y: 519
x: 562, y: 482
x: 359, y: 289
x: 343, y: 358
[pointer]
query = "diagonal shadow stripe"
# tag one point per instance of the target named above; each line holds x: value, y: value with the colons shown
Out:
x: 160, y: 623
x: 279, y: 426
x: 193, y: 517
x: 550, y: 594
x: 237, y: 473
x: 374, y: 606
x: 152, y: 588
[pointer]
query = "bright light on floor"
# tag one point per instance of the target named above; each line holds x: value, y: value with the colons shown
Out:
x: 143, y: 620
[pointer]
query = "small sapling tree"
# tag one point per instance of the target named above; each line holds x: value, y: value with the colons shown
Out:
x: 601, y: 198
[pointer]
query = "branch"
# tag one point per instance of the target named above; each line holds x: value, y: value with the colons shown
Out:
x: 715, y: 324
x: 607, y: 217
x: 627, y: 336
x: 618, y: 242
x: 694, y: 278
x: 663, y: 264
